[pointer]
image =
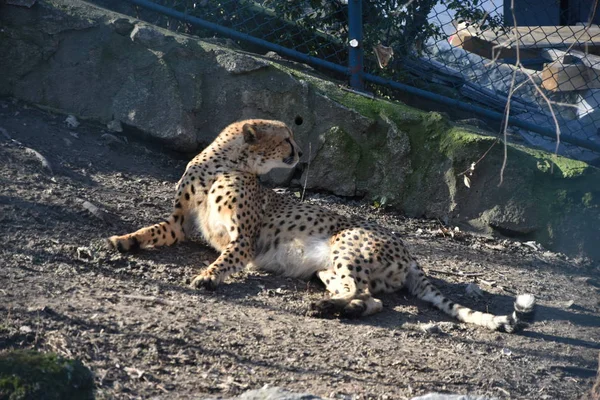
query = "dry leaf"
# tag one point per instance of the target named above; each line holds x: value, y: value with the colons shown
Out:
x: 384, y: 54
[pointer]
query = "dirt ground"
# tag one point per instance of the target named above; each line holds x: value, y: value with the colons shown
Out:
x: 136, y: 324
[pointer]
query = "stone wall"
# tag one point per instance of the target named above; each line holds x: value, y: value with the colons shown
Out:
x: 75, y: 58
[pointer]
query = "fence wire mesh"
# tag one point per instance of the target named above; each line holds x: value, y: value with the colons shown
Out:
x: 543, y: 55
x: 296, y: 25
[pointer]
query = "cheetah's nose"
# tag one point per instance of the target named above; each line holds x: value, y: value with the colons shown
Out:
x: 299, y: 154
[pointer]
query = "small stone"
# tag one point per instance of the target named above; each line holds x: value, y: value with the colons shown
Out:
x: 148, y: 36
x: 239, y: 63
x: 431, y: 328
x: 111, y: 139
x: 122, y: 26
x: 473, y: 290
x: 569, y: 304
x: 114, y: 126
x: 25, y: 329
x: 72, y: 122
x: 273, y: 55
x: 533, y: 245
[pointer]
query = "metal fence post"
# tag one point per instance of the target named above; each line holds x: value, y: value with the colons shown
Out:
x: 355, y: 37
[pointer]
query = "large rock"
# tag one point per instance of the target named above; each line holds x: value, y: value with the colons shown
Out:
x: 276, y: 393
x: 82, y: 60
x: 272, y: 393
x: 550, y: 199
x: 28, y: 374
x: 445, y: 396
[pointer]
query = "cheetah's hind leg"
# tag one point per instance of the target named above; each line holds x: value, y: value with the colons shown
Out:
x: 165, y: 233
x: 347, y: 300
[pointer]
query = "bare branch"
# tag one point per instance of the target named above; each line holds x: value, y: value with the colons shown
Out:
x: 307, y: 170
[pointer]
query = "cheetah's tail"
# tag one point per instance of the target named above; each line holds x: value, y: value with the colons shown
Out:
x: 524, y: 306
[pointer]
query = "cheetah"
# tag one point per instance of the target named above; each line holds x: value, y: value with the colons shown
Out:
x: 253, y: 226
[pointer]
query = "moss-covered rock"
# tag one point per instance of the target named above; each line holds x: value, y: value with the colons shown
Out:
x: 543, y: 197
x: 28, y: 374
x: 336, y: 161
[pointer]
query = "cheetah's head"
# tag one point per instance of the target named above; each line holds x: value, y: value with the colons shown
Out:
x: 269, y: 144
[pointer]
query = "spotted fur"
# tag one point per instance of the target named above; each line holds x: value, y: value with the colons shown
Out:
x: 252, y: 226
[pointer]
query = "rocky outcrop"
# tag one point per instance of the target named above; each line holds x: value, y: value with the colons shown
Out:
x: 272, y: 393
x: 276, y: 393
x: 78, y: 59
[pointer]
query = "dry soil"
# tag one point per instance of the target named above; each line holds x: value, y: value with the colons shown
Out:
x: 136, y: 324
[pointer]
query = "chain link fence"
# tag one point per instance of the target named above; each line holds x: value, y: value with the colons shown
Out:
x: 542, y: 57
x: 291, y: 24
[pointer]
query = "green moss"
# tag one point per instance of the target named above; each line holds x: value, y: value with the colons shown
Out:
x: 423, y: 129
x: 587, y: 199
x: 560, y: 167
x: 365, y: 105
x: 28, y: 374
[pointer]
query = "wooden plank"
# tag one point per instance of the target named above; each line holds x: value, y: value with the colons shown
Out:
x: 586, y: 67
x: 537, y: 37
x: 466, y: 39
x: 572, y: 57
x: 532, y: 41
x: 589, y: 60
x: 559, y: 55
x: 557, y: 76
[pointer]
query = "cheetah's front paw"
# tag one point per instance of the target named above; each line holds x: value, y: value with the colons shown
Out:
x: 209, y: 282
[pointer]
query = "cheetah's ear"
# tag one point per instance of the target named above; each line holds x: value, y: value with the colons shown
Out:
x: 250, y: 134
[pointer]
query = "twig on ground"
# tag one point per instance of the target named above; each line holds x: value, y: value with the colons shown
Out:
x: 43, y: 160
x: 150, y: 299
x: 4, y: 133
x: 460, y: 273
x: 508, y: 290
x: 96, y: 211
x: 40, y: 157
x: 162, y: 388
